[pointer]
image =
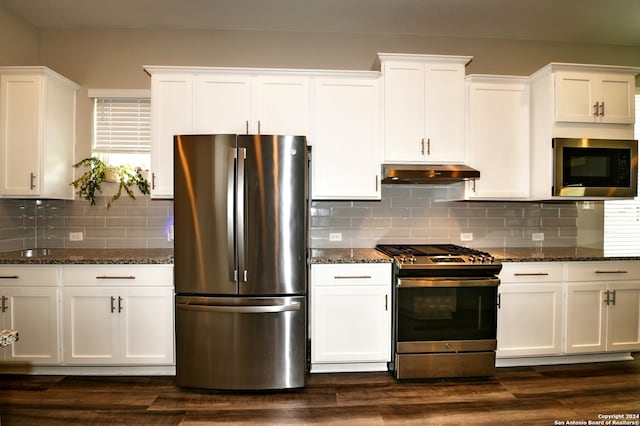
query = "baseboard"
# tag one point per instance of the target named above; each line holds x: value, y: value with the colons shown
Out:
x: 68, y: 370
x: 563, y: 359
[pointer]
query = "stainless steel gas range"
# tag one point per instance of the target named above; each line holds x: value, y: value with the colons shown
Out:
x: 444, y: 311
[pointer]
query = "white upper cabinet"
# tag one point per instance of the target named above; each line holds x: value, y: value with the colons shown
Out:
x: 37, y: 133
x: 592, y: 97
x: 498, y: 136
x: 281, y: 105
x: 171, y: 114
x: 423, y: 108
x: 576, y: 101
x: 221, y: 100
x: 346, y: 162
x: 222, y: 103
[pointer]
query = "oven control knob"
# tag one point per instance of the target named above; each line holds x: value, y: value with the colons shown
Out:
x: 402, y: 259
x: 472, y: 258
x: 481, y: 259
x: 490, y: 259
x: 412, y: 259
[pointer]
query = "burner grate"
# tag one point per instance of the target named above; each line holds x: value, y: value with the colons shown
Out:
x: 428, y: 250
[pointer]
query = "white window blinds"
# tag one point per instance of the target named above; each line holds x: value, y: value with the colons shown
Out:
x: 122, y: 124
x: 622, y: 218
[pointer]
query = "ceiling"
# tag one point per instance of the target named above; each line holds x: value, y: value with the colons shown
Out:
x: 614, y: 22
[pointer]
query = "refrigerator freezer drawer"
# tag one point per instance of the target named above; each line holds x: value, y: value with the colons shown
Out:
x: 236, y: 343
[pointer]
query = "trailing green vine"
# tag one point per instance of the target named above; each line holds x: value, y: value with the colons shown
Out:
x: 89, y: 184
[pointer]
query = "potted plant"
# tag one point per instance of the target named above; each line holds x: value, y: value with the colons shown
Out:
x: 89, y: 185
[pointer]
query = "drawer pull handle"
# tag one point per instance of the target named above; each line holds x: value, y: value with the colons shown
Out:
x: 349, y: 277
x: 115, y: 277
x: 9, y: 277
x: 611, y: 272
x: 531, y: 274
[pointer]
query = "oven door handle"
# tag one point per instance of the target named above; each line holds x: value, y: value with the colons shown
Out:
x: 447, y: 282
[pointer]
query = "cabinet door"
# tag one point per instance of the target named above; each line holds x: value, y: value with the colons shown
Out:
x: 585, y: 318
x: 172, y: 114
x: 404, y: 111
x: 146, y: 329
x: 444, y: 113
x: 617, y: 93
x: 90, y: 325
x: 594, y: 97
x: 346, y: 162
x: 34, y: 313
x: 575, y: 96
x: 222, y: 103
x: 21, y: 106
x: 498, y: 129
x: 623, y: 317
x: 529, y: 319
x: 281, y: 106
x: 351, y: 324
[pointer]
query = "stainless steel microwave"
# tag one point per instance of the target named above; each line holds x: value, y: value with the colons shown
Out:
x: 595, y: 167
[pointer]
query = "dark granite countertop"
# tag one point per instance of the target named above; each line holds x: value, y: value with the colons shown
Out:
x: 552, y: 254
x: 509, y: 254
x: 346, y: 255
x: 61, y: 256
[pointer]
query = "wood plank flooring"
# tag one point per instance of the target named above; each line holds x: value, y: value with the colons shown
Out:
x: 546, y: 395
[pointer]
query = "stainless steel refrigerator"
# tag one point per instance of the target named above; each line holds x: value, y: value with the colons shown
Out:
x: 240, y: 261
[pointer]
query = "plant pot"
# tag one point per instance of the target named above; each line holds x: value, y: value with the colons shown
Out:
x: 111, y: 174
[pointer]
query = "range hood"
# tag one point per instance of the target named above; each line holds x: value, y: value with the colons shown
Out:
x: 427, y: 173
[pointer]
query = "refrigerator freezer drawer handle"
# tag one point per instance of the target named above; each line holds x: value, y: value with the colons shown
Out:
x: 253, y: 309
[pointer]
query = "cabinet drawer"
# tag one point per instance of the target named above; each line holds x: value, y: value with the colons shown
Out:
x: 117, y: 275
x: 351, y: 274
x: 531, y: 272
x: 603, y: 271
x: 28, y: 275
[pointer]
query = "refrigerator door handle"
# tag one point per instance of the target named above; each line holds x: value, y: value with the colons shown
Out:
x: 242, y: 269
x: 251, y: 309
x: 233, y: 272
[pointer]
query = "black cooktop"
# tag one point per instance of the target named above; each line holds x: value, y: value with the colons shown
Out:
x: 428, y: 250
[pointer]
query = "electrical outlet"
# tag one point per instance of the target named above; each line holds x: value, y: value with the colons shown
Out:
x: 537, y: 236
x: 466, y: 236
x: 335, y: 236
x: 76, y: 236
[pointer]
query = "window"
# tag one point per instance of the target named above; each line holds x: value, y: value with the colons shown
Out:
x: 122, y: 127
x: 622, y: 218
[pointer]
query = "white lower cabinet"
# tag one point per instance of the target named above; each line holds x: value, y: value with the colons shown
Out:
x: 565, y: 309
x: 350, y: 317
x: 530, y: 310
x: 118, y: 315
x: 603, y: 307
x: 29, y: 303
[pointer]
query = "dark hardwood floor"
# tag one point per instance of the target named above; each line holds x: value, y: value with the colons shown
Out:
x: 544, y: 395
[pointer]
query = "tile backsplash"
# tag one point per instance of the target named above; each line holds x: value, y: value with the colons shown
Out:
x: 140, y: 223
x: 427, y: 214
x: 406, y: 213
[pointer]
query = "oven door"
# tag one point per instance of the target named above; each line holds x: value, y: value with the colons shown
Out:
x: 438, y: 309
x: 445, y: 327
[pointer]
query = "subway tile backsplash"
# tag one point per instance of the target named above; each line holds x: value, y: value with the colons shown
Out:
x: 430, y: 214
x: 406, y: 214
x: 140, y: 223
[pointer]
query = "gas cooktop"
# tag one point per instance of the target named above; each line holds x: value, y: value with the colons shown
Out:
x: 438, y: 256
